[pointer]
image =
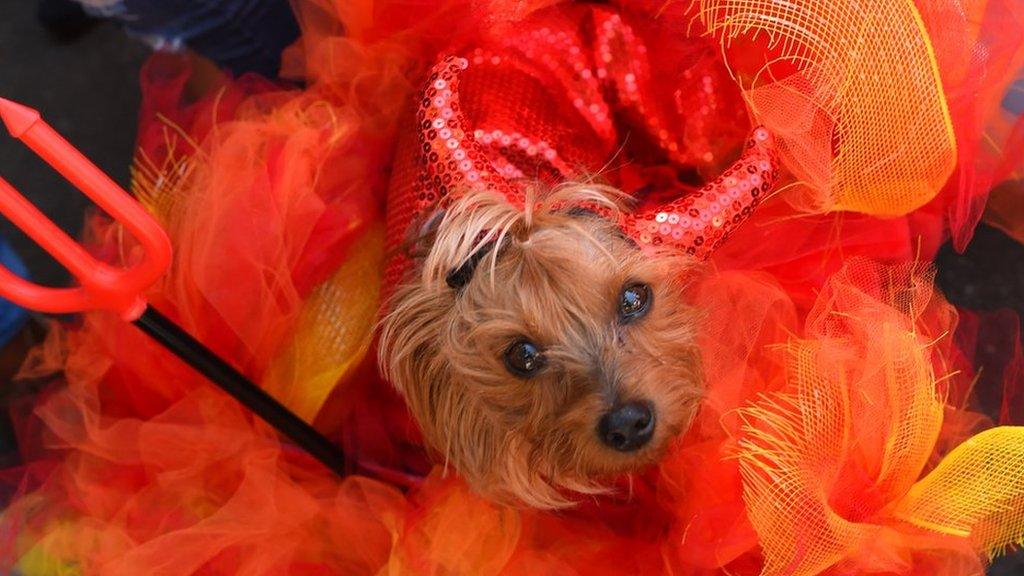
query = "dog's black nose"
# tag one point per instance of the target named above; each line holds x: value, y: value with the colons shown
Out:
x: 627, y: 427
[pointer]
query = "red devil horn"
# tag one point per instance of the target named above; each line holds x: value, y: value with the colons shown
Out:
x: 455, y: 163
x: 699, y: 222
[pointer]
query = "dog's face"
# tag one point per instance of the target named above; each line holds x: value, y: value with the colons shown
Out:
x: 567, y: 357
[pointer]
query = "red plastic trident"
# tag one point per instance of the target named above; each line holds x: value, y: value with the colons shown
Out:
x: 103, y: 287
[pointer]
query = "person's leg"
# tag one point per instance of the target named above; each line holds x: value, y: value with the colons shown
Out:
x: 12, y: 317
x: 237, y: 35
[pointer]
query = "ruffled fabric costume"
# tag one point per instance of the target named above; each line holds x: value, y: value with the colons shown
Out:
x: 840, y: 433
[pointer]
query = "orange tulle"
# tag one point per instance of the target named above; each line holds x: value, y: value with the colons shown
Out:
x: 842, y: 430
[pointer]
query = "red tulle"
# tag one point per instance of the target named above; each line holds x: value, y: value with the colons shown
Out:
x: 978, y: 49
x: 274, y: 196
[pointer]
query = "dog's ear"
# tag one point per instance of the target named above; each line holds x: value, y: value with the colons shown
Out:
x: 423, y: 234
x: 588, y: 213
x: 457, y: 278
x: 582, y: 212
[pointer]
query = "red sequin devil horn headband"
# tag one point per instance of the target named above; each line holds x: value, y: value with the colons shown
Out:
x: 696, y: 223
x: 453, y: 159
x: 700, y: 221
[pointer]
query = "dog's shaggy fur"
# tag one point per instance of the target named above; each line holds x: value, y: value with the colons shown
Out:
x: 556, y: 278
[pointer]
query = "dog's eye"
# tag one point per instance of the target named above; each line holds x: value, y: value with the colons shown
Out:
x: 634, y: 302
x: 523, y: 358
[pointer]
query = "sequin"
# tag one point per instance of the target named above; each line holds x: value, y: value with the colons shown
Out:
x: 593, y: 66
x: 720, y: 206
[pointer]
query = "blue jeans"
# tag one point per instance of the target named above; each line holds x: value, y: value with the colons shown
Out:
x: 238, y: 35
x: 1013, y: 101
x: 12, y: 317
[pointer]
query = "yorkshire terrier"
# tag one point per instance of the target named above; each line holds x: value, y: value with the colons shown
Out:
x: 542, y: 339
x: 567, y: 358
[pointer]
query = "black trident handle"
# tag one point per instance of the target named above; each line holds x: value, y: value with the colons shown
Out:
x: 198, y: 356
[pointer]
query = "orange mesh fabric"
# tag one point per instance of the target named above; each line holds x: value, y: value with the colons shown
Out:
x: 977, y: 491
x: 272, y: 194
x: 831, y: 463
x: 853, y: 92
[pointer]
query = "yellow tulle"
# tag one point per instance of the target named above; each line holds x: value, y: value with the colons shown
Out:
x: 333, y: 333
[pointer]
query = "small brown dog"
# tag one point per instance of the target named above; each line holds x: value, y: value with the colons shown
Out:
x: 569, y: 356
x: 542, y: 340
